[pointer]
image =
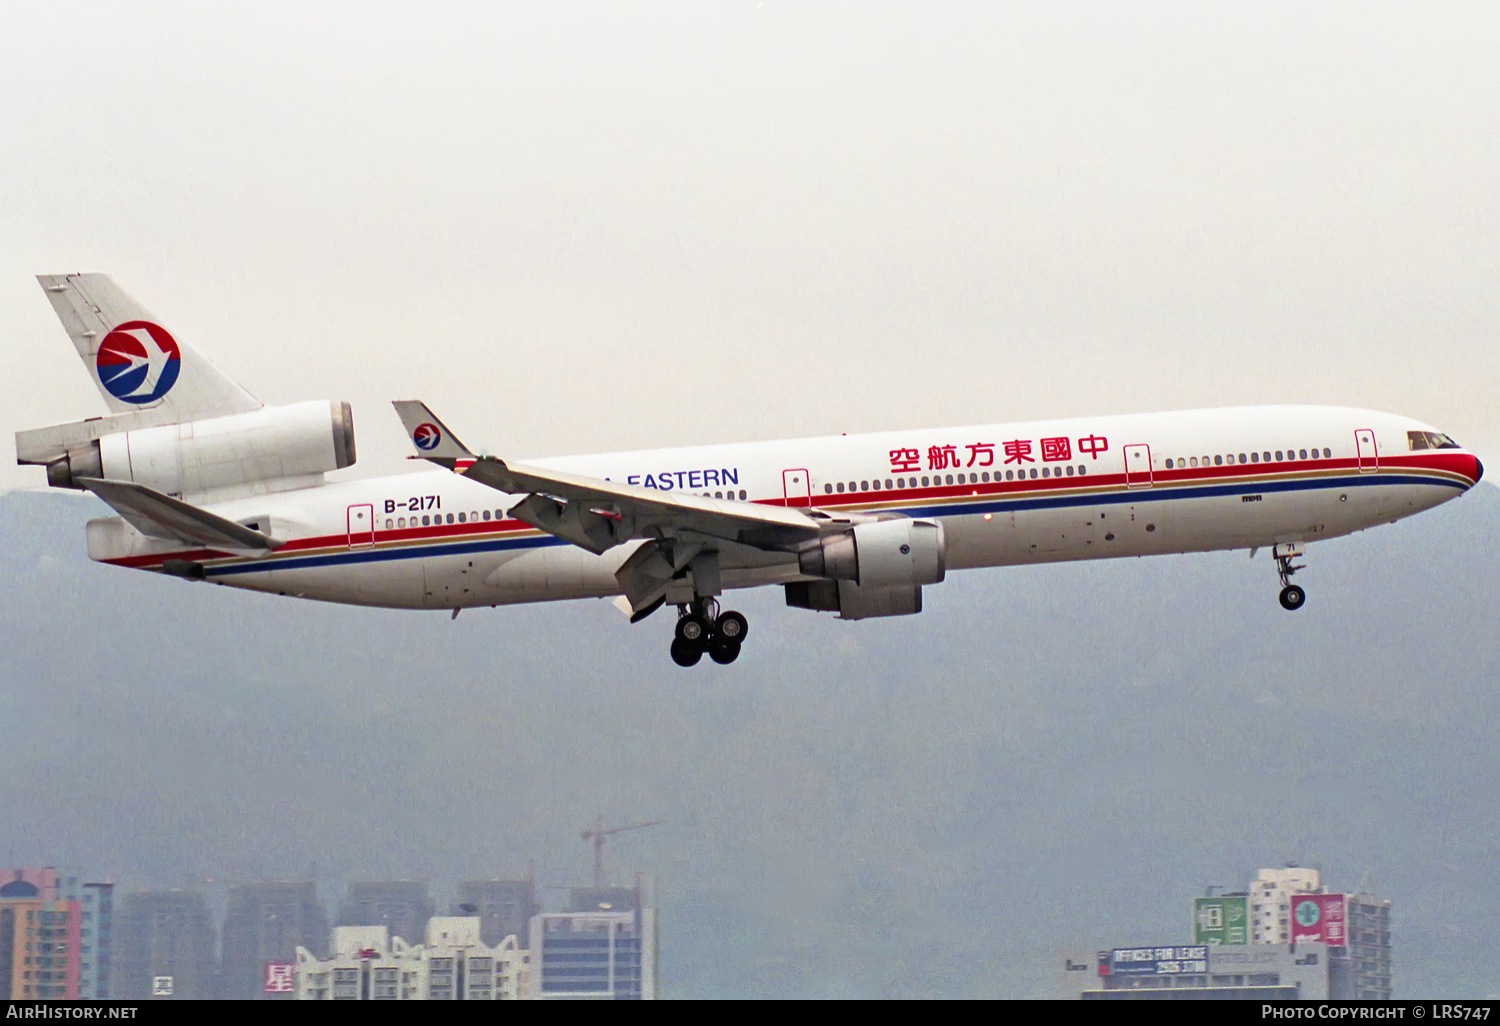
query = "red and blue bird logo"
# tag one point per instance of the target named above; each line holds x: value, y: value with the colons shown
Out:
x: 138, y: 362
x: 426, y: 437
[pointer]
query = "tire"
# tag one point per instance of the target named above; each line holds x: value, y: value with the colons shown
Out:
x: 693, y: 630
x: 1292, y: 597
x: 685, y: 653
x: 723, y: 651
x: 732, y: 626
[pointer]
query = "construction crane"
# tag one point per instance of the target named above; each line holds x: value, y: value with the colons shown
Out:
x: 598, y: 832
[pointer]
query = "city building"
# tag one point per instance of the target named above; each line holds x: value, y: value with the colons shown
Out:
x: 1250, y: 972
x: 89, y: 953
x: 1369, y: 950
x: 1270, y: 902
x: 165, y: 945
x: 264, y: 925
x: 401, y: 906
x: 597, y: 954
x: 39, y: 944
x: 96, y: 932
x: 368, y: 964
x: 504, y: 907
x: 1285, y: 937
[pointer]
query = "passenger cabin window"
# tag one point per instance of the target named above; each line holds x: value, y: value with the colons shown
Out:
x: 1327, y: 454
x: 1218, y: 460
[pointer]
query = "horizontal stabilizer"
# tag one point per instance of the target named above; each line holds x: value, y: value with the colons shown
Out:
x: 161, y: 516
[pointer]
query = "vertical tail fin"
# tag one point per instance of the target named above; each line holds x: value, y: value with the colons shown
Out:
x: 136, y: 362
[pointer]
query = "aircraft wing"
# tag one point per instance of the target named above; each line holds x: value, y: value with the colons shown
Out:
x: 596, y: 514
x: 161, y: 516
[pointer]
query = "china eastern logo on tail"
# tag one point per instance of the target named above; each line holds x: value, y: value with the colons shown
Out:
x: 138, y: 362
x: 427, y: 437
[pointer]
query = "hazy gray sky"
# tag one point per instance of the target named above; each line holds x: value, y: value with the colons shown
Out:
x: 590, y: 227
x: 593, y: 227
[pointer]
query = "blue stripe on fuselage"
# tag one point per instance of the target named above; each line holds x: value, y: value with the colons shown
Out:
x: 970, y: 506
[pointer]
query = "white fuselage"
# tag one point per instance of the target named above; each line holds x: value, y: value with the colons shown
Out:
x: 1085, y: 488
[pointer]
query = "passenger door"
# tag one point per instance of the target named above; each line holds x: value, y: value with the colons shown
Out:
x: 361, y: 526
x: 1364, y: 444
x: 796, y: 487
x: 1138, y: 466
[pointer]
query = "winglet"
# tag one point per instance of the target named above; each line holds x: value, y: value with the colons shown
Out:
x: 430, y: 436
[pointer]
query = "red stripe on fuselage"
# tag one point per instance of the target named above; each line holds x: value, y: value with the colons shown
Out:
x: 1460, y: 464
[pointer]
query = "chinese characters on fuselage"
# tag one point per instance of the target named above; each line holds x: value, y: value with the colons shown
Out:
x: 1058, y: 449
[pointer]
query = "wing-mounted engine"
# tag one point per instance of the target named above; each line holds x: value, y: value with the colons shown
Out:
x: 876, y: 568
x: 273, y: 449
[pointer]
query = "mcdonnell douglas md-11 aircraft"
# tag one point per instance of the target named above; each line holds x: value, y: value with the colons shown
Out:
x: 212, y: 485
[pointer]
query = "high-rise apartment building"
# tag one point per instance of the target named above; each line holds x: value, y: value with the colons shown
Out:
x: 1270, y: 902
x: 454, y: 964
x: 599, y: 954
x: 39, y: 946
x: 401, y: 906
x: 264, y: 925
x: 90, y: 952
x: 165, y: 941
x: 504, y: 907
x: 1369, y: 950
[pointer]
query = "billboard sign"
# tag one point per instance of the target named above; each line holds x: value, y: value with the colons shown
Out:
x: 161, y: 986
x: 1319, y: 917
x: 279, y: 978
x: 1157, y: 961
x: 1222, y: 920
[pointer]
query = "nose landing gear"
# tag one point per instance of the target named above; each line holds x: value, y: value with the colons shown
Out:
x: 1292, y: 596
x: 702, y: 628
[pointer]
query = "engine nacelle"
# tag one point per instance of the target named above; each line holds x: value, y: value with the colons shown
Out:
x: 281, y: 447
x: 881, y: 554
x: 853, y: 601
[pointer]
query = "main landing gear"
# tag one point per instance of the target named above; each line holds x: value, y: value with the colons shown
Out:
x: 1292, y: 596
x: 702, y: 628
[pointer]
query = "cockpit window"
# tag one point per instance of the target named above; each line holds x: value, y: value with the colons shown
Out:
x: 1429, y: 440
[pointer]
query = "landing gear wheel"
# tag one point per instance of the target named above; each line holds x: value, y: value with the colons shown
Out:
x: 685, y: 653
x: 1292, y: 597
x: 723, y: 650
x: 732, y: 626
x: 693, y: 630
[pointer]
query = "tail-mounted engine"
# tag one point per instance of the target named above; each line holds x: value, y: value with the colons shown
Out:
x: 275, y: 448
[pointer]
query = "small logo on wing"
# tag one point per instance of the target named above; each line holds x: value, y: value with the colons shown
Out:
x: 138, y: 362
x: 426, y: 437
